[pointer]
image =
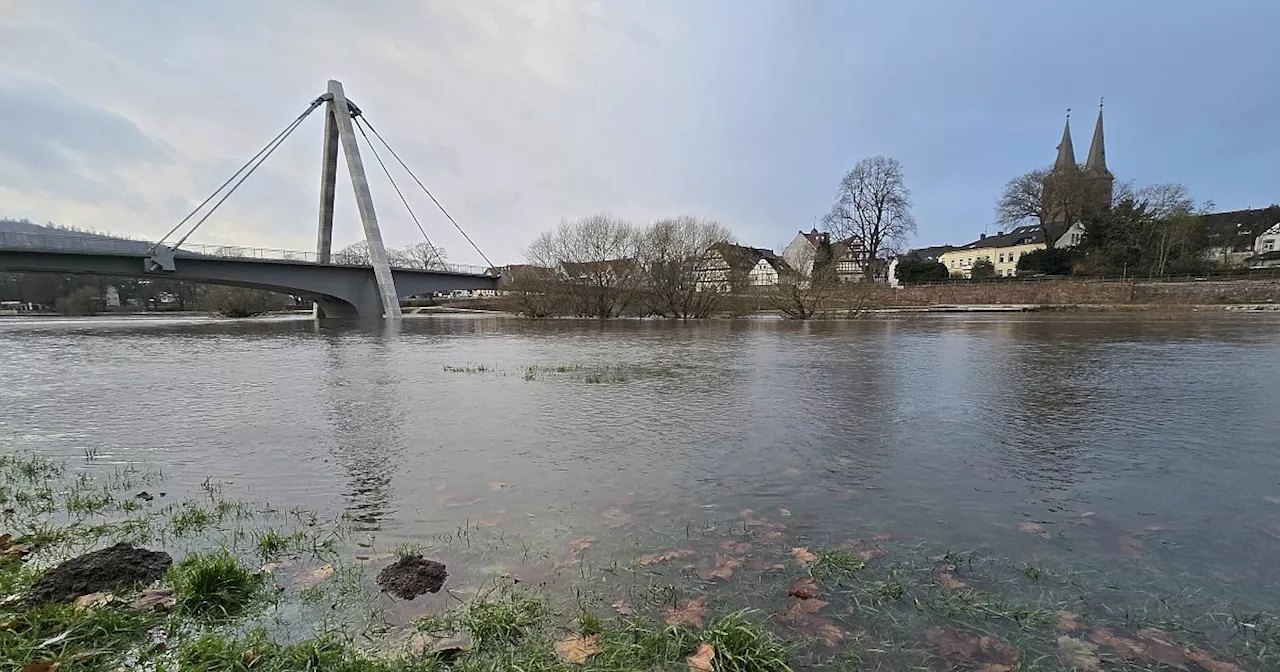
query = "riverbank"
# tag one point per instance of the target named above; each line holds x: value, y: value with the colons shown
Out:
x: 254, y: 587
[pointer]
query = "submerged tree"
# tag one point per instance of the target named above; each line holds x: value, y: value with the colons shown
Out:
x: 595, y: 262
x: 671, y: 253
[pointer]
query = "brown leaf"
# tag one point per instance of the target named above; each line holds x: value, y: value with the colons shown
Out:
x: 155, y: 599
x: 803, y: 557
x: 1128, y: 546
x: 1068, y: 621
x: 17, y: 550
x: 5, y: 540
x: 1211, y: 664
x: 758, y: 565
x: 799, y: 610
x: 313, y: 577
x: 692, y: 612
x: 1149, y: 645
x: 701, y: 660
x: 872, y: 553
x: 93, y: 600
x: 825, y: 631
x: 948, y: 581
x: 804, y: 588
x: 616, y: 517
x: 578, y: 648
x: 723, y: 569
x: 249, y: 658
x: 41, y: 666
x: 1078, y: 655
x: 732, y: 547
x: 881, y: 536
x: 962, y: 650
x: 1033, y: 528
x: 623, y: 608
x: 577, y: 546
x: 659, y: 558
x: 451, y: 645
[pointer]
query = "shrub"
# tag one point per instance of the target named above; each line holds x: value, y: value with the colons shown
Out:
x: 982, y: 270
x: 1052, y: 261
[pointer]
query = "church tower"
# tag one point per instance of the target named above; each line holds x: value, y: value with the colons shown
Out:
x: 1072, y: 193
x: 1100, y: 181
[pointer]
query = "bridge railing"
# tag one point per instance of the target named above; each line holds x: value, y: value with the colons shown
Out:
x: 109, y: 245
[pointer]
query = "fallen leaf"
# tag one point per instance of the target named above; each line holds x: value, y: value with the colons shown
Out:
x: 1068, y: 621
x: 616, y: 518
x: 577, y: 546
x: 5, y: 540
x: 799, y: 610
x: 249, y: 658
x: 41, y: 666
x: 948, y: 581
x: 495, y: 487
x: 451, y: 645
x: 700, y: 661
x: 758, y: 565
x: 803, y: 557
x: 1149, y: 645
x: 271, y: 567
x: 93, y: 600
x: 723, y: 569
x: 313, y: 577
x: 962, y: 650
x: 1128, y: 546
x: 1078, y: 655
x: 784, y: 513
x: 578, y: 648
x: 692, y: 612
x: 1033, y: 528
x: 623, y: 608
x: 155, y: 599
x: 804, y: 588
x: 659, y: 558
x: 17, y: 550
x: 1211, y: 664
x: 872, y: 553
x: 881, y: 536
x: 732, y: 547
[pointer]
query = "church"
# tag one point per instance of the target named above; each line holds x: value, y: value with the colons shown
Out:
x: 1073, y: 192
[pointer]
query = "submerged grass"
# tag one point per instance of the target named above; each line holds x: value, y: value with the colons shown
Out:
x: 321, y: 611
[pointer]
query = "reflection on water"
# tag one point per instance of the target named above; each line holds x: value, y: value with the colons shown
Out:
x: 1112, y: 436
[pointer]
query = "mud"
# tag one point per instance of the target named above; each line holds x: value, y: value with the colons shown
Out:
x: 412, y: 576
x: 118, y: 568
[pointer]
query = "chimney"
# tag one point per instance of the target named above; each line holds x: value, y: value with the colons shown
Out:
x: 999, y: 233
x: 982, y: 236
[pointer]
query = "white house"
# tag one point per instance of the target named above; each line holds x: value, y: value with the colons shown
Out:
x: 725, y: 266
x: 1269, y: 241
x: 850, y: 255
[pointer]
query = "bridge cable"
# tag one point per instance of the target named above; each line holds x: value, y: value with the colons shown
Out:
x: 435, y: 250
x: 259, y: 158
x: 429, y: 194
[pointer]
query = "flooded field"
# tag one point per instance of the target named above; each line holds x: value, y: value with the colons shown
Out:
x: 942, y: 492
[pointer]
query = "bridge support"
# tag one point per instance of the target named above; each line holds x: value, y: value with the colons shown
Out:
x: 338, y: 128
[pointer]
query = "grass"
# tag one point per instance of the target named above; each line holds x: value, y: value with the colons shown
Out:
x: 214, y: 586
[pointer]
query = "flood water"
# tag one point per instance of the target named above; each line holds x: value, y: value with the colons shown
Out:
x: 1113, y: 443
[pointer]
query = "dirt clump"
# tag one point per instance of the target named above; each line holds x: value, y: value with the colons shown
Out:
x: 412, y: 576
x: 114, y: 569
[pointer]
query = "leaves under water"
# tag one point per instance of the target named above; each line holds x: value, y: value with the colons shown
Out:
x: 692, y: 611
x: 578, y: 648
x: 701, y: 660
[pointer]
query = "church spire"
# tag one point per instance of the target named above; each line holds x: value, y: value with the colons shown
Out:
x: 1097, y: 162
x: 1066, y: 152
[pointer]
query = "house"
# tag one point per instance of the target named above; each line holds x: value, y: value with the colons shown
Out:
x: 1269, y: 241
x: 1004, y: 250
x: 850, y: 255
x: 1234, y: 237
x: 607, y: 273
x: 725, y: 267
x: 923, y: 254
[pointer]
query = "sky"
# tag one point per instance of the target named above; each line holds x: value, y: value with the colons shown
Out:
x: 122, y: 116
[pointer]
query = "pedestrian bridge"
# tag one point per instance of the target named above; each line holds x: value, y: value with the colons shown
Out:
x: 339, y: 290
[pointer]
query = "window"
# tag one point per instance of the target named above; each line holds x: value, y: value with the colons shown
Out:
x: 1268, y: 245
x: 1002, y: 257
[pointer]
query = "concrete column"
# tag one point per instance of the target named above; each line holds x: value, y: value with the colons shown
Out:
x: 364, y: 201
x: 328, y: 184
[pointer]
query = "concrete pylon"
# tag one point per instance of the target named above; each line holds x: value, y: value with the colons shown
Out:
x: 338, y: 113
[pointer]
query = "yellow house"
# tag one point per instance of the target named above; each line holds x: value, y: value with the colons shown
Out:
x: 1004, y: 250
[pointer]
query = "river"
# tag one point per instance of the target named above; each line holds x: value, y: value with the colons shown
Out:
x: 1119, y: 444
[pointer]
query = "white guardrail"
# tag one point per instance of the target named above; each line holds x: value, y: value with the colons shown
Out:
x: 104, y: 245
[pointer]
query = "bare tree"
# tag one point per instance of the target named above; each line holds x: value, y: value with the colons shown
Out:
x: 355, y: 254
x: 670, y: 255
x: 1055, y: 201
x: 423, y: 255
x: 873, y: 206
x: 596, y: 262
